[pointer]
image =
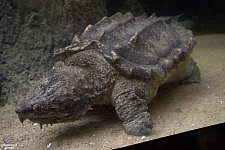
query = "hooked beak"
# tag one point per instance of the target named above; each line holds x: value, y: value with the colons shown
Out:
x: 22, y: 111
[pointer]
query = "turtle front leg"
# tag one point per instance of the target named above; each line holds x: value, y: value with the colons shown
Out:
x: 130, y: 99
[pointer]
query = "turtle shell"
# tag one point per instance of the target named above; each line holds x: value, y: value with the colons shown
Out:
x: 146, y: 47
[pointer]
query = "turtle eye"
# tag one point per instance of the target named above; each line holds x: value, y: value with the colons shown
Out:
x: 50, y: 91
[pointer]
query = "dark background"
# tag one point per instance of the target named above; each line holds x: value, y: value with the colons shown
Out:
x: 209, y: 138
x: 208, y: 15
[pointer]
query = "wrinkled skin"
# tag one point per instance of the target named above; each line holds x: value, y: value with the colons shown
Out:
x: 66, y: 93
x: 53, y: 100
x: 65, y: 96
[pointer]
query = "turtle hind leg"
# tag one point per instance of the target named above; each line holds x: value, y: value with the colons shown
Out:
x: 194, y: 72
x: 187, y: 72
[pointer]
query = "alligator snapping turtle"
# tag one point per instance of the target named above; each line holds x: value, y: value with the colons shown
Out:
x: 121, y: 61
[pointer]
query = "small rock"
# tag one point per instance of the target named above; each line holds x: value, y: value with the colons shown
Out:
x: 91, y: 143
x: 49, y: 145
x: 143, y: 137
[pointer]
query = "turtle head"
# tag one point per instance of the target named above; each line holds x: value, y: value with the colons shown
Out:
x: 55, y: 98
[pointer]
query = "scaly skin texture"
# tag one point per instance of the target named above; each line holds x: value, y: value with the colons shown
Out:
x: 130, y: 97
x: 68, y: 91
x: 104, y: 67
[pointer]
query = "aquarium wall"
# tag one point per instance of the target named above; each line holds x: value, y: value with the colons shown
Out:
x: 30, y: 31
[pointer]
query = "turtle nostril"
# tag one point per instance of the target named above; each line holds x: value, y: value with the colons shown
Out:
x: 22, y: 110
x: 18, y: 110
x: 22, y: 107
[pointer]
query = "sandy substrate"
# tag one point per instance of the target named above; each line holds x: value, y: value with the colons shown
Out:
x: 175, y: 109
